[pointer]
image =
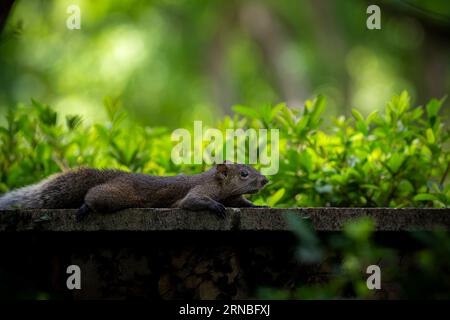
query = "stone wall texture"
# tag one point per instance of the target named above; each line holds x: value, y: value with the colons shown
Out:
x: 175, y: 254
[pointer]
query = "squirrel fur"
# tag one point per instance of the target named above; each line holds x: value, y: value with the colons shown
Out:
x: 101, y: 190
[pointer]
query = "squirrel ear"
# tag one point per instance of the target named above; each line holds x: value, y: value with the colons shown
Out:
x: 222, y: 168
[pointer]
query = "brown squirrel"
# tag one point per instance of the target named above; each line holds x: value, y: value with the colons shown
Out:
x: 101, y: 190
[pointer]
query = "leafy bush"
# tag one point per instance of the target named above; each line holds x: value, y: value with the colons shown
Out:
x: 396, y: 158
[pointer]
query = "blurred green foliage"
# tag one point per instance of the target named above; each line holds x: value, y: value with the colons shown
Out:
x: 162, y: 56
x: 346, y: 255
x: 395, y: 158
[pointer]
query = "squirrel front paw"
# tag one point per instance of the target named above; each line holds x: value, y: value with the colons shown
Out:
x: 219, y: 209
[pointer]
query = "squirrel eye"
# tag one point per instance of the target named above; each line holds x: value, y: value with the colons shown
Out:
x: 244, y: 173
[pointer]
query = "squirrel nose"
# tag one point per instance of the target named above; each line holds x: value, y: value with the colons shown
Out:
x: 264, y: 181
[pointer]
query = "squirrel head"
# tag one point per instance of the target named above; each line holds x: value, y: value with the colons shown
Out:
x: 237, y: 179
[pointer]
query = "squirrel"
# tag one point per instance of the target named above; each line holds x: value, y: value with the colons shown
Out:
x: 106, y: 190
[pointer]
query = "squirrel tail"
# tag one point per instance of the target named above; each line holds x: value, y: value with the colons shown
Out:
x: 26, y: 197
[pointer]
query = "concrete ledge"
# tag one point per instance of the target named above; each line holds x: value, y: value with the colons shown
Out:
x: 261, y: 219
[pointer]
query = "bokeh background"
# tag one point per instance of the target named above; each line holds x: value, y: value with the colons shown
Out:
x: 171, y: 62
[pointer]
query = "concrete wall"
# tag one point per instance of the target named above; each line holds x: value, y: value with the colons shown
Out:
x: 174, y: 254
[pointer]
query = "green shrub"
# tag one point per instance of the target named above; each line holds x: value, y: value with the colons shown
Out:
x: 392, y: 159
x: 396, y: 158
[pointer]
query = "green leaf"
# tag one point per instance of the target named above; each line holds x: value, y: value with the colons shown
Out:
x: 433, y: 107
x: 305, y: 160
x: 397, y: 106
x: 430, y: 136
x: 276, y: 197
x: 73, y: 121
x: 276, y: 110
x: 318, y: 108
x: 45, y: 113
x: 425, y: 197
x: 112, y: 106
x: 302, y: 123
x: 357, y: 115
x: 360, y: 123
x: 288, y: 116
x: 245, y: 111
x: 396, y: 161
x: 416, y: 114
x: 371, y: 117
